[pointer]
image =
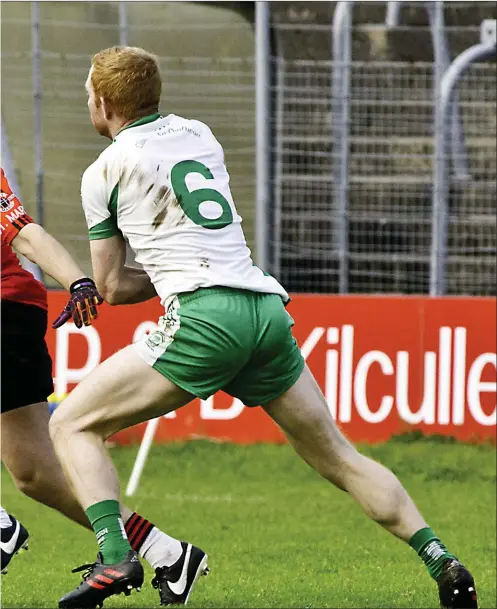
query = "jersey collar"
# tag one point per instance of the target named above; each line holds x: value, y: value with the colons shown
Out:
x: 141, y: 121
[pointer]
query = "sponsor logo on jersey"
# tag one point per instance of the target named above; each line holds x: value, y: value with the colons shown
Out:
x: 6, y: 202
x: 17, y: 213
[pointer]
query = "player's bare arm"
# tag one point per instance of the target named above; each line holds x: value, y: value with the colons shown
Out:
x: 116, y: 282
x: 18, y: 229
x: 40, y: 247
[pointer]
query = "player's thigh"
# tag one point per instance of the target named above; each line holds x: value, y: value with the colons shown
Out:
x: 120, y: 392
x: 303, y: 415
x: 276, y: 362
x: 26, y: 373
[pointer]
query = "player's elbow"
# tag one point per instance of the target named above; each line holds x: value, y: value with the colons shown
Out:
x: 110, y: 291
x: 110, y: 294
x: 106, y: 285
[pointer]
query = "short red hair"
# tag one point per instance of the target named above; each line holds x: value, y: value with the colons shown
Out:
x: 129, y: 78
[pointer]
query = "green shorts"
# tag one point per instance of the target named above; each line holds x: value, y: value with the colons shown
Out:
x: 223, y: 338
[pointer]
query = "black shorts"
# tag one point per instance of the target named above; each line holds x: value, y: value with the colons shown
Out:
x: 26, y: 362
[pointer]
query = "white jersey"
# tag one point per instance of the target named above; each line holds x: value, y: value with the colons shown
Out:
x: 163, y: 184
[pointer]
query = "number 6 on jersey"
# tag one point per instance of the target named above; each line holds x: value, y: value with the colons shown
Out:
x: 191, y: 201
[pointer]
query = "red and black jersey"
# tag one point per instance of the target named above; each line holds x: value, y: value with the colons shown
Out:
x: 17, y: 284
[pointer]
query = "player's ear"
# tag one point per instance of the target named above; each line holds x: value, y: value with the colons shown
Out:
x: 106, y: 108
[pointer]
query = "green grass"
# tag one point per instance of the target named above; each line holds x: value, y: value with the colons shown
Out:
x: 277, y: 534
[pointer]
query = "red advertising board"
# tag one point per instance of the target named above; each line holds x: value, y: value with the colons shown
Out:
x: 386, y: 365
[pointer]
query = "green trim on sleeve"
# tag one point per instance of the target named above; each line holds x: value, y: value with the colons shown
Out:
x: 114, y: 196
x: 108, y: 227
x: 103, y: 230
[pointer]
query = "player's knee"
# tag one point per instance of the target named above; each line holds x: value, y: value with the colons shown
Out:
x: 67, y: 421
x: 59, y: 426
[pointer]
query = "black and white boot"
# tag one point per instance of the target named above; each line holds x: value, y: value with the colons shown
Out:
x: 13, y: 539
x: 175, y: 583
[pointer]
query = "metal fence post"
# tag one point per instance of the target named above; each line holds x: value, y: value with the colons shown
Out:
x: 262, y: 130
x: 340, y: 99
x: 123, y: 24
x: 441, y: 53
x: 278, y: 169
x: 37, y: 110
x: 392, y: 17
x: 438, y: 254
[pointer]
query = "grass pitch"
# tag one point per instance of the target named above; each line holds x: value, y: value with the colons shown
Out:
x: 277, y: 535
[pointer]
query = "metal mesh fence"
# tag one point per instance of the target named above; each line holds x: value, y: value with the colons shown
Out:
x: 208, y: 68
x: 391, y: 160
x: 390, y: 179
x: 472, y: 237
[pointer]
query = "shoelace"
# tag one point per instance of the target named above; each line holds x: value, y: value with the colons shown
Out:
x: 155, y: 581
x: 158, y: 573
x: 89, y: 570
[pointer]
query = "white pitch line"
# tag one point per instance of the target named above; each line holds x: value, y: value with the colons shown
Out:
x: 204, y: 498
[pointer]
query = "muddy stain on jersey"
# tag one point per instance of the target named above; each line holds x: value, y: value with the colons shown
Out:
x: 163, y: 201
x: 134, y: 175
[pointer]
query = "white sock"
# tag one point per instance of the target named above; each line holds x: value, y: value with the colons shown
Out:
x: 160, y: 550
x: 5, y: 521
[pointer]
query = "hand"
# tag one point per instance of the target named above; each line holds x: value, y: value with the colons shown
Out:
x: 82, y: 305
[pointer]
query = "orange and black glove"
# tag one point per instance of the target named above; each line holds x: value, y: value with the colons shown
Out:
x: 82, y: 305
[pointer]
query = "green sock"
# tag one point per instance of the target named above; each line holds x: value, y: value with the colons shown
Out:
x: 431, y: 550
x: 105, y: 518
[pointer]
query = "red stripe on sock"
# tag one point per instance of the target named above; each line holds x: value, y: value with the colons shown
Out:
x: 130, y: 525
x: 136, y: 531
x: 138, y: 542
